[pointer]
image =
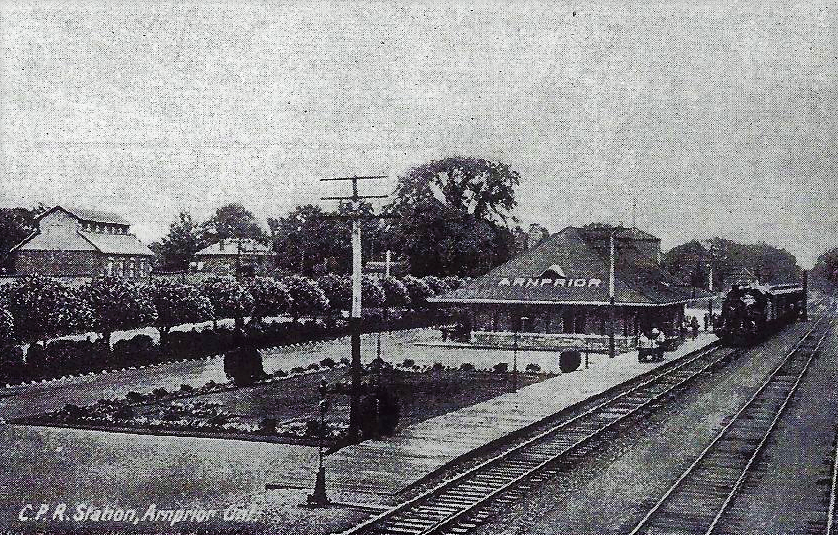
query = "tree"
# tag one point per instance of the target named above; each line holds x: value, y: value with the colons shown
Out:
x: 825, y: 271
x: 232, y: 221
x: 229, y: 298
x: 453, y: 216
x: 15, y: 225
x: 372, y: 295
x: 179, y: 246
x: 43, y: 307
x: 338, y: 290
x: 307, y: 299
x: 418, y: 290
x: 474, y: 186
x: 395, y: 292
x: 118, y: 304
x: 177, y: 304
x: 7, y: 327
x: 270, y: 298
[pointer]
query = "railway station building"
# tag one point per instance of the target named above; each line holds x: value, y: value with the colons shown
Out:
x: 556, y: 294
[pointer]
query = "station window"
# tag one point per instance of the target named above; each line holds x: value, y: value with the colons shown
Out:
x: 119, y: 268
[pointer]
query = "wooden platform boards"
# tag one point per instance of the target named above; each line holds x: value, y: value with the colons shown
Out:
x: 375, y: 470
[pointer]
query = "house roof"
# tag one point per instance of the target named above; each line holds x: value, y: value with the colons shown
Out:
x: 568, y: 268
x: 116, y: 243
x: 231, y: 248
x: 86, y: 214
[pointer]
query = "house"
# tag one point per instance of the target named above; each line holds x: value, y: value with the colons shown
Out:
x: 77, y: 242
x: 234, y: 256
x: 557, y: 293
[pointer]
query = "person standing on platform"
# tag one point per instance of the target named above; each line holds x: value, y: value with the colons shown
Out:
x: 706, y: 321
x: 694, y: 327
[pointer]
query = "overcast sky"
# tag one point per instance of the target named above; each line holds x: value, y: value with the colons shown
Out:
x: 719, y: 117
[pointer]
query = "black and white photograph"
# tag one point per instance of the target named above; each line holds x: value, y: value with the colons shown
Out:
x: 414, y: 267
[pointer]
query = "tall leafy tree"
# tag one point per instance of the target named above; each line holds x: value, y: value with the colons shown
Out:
x: 179, y: 246
x: 453, y: 216
x: 232, y: 221
x: 15, y: 225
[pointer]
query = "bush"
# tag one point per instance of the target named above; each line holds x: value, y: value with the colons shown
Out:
x: 418, y: 291
x: 328, y: 362
x: 12, y: 366
x: 344, y: 361
x: 532, y: 368
x: 243, y: 365
x: 380, y: 414
x: 298, y: 369
x: 467, y: 367
x: 501, y: 367
x: 408, y: 363
x: 134, y: 397
x: 140, y: 349
x: 435, y: 284
x: 313, y: 366
x: 160, y: 392
x: 570, y: 360
x: 71, y: 356
x: 187, y: 388
x: 267, y: 426
x: 437, y: 367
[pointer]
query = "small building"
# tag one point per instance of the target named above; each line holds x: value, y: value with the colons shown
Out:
x: 557, y: 293
x: 234, y: 256
x: 77, y: 242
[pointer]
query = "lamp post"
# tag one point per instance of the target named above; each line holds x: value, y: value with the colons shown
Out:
x: 518, y: 326
x: 319, y: 498
x: 611, y: 304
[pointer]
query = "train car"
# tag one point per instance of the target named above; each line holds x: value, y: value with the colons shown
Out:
x: 751, y: 313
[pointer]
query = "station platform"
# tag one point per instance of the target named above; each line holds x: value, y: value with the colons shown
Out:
x: 375, y: 471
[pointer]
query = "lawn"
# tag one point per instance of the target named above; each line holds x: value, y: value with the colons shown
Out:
x: 285, y: 409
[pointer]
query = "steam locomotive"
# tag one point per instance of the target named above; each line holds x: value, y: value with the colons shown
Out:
x: 751, y: 313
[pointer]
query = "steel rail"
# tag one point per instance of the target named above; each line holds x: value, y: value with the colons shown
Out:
x: 736, y: 419
x: 460, y: 512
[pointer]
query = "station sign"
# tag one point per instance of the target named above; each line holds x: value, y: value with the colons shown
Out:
x: 540, y: 282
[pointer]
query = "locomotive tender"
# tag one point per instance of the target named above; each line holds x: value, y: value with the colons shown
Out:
x: 751, y: 313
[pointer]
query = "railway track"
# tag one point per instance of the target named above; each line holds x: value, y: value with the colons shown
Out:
x: 702, y: 495
x: 466, y: 500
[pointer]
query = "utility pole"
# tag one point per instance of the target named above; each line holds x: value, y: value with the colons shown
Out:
x: 355, y: 316
x: 710, y: 282
x: 611, y: 293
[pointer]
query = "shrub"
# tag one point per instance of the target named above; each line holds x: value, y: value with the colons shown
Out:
x: 160, y: 392
x: 372, y: 295
x: 435, y: 284
x: 270, y: 298
x: 134, y: 397
x: 437, y: 367
x: 418, y: 291
x: 280, y: 373
x: 395, y: 292
x: 177, y: 304
x: 243, y: 365
x: 228, y: 297
x: 328, y: 362
x: 338, y: 290
x: 139, y: 349
x: 570, y: 360
x: 467, y: 367
x: 344, y: 361
x: 187, y: 388
x: 408, y: 363
x: 118, y: 304
x: 7, y: 327
x: 380, y: 414
x: 42, y: 307
x: 501, y: 367
x: 313, y: 366
x: 532, y: 368
x: 12, y: 366
x: 306, y: 298
x: 298, y: 369
x: 267, y: 426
